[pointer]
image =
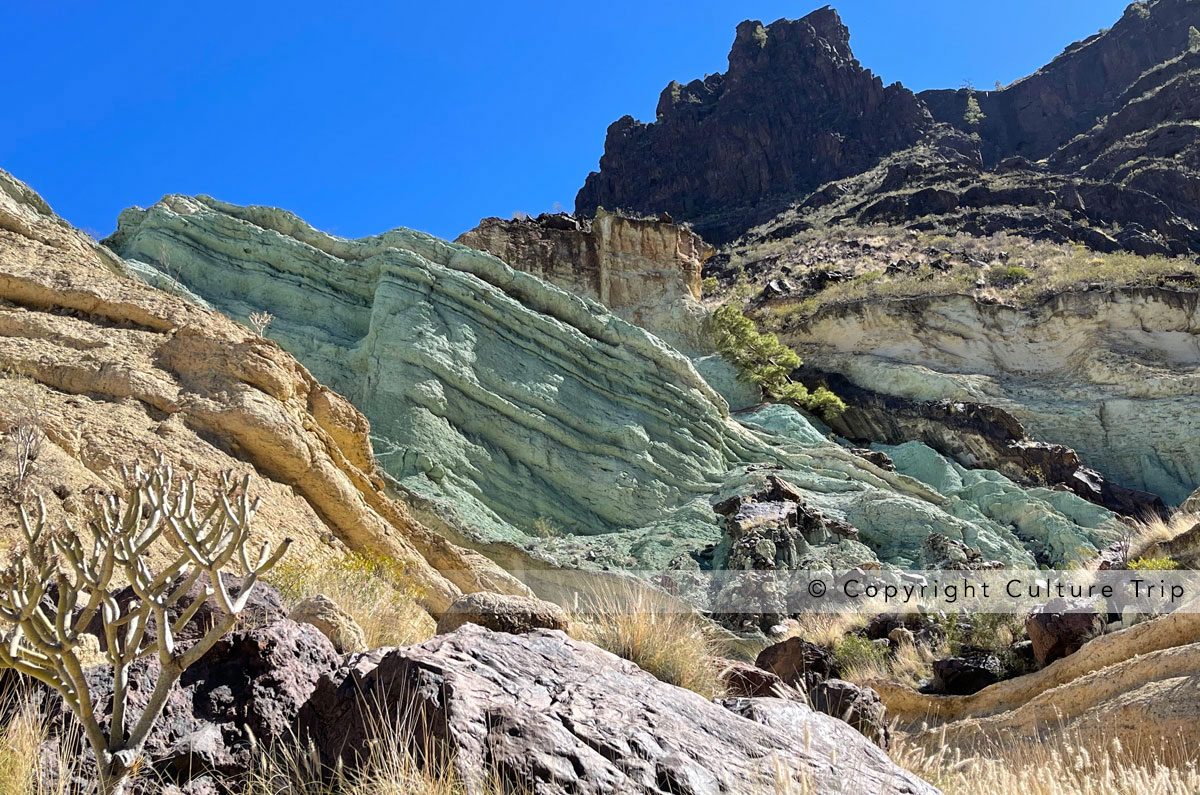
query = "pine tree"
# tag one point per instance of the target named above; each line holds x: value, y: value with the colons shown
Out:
x: 974, y: 115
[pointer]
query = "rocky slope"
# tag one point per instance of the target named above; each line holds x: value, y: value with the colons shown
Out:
x: 1040, y: 113
x: 794, y: 110
x: 113, y: 372
x: 543, y: 429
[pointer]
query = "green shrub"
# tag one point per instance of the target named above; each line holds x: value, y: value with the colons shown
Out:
x: 1010, y: 275
x: 855, y: 651
x: 762, y: 359
x: 709, y: 285
x: 1160, y: 563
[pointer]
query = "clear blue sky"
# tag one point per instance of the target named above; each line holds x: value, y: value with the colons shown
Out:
x: 365, y: 116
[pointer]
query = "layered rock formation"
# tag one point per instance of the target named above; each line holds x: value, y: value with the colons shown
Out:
x: 647, y: 271
x: 1138, y: 685
x: 539, y: 426
x: 1112, y: 374
x: 113, y: 372
x: 794, y: 110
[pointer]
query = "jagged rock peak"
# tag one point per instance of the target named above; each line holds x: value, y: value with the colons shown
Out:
x: 794, y: 110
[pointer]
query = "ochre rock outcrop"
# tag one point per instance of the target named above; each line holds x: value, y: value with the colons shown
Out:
x: 646, y: 270
x: 793, y: 111
x: 1139, y: 685
x: 115, y: 371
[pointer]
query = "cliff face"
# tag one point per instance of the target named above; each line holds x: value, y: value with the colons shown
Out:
x: 548, y: 432
x: 794, y: 110
x: 647, y: 271
x: 114, y: 371
x: 1112, y: 374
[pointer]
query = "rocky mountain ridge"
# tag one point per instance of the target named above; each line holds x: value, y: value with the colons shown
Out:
x: 796, y: 121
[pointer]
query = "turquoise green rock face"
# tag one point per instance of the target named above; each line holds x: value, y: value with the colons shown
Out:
x: 516, y: 415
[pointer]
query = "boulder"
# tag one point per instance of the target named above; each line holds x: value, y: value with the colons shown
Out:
x: 742, y: 680
x: 965, y: 674
x: 502, y: 613
x: 556, y: 715
x: 858, y: 706
x: 1056, y: 633
x: 247, y: 691
x: 335, y: 623
x: 798, y: 663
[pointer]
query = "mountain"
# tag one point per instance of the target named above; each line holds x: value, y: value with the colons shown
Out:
x: 1097, y: 148
x: 794, y: 110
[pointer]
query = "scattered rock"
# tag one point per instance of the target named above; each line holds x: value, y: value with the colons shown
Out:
x: 1056, y: 633
x: 965, y: 674
x: 335, y: 623
x: 858, y: 706
x: 500, y: 613
x: 798, y: 663
x: 742, y: 680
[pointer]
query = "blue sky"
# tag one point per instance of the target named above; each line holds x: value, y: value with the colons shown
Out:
x: 364, y: 116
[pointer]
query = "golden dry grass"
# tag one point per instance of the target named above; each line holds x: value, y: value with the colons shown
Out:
x: 675, y: 646
x: 1149, y: 533
x: 372, y: 588
x: 1059, y: 765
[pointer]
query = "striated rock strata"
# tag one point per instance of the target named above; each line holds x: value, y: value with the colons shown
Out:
x: 1111, y: 374
x: 541, y: 428
x: 114, y: 371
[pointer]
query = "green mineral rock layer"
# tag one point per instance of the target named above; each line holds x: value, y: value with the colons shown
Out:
x: 518, y: 416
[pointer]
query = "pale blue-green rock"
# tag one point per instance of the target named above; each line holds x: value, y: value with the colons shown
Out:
x: 546, y: 431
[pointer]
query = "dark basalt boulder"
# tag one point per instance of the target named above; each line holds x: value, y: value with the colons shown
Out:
x: 1061, y: 627
x: 798, y: 663
x: 965, y: 674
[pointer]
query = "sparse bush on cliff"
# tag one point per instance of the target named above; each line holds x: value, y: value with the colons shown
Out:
x: 762, y: 359
x: 61, y: 583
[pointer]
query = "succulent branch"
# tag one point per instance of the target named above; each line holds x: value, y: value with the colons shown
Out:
x: 52, y: 593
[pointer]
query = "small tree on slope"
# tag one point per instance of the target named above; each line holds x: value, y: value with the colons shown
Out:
x: 54, y: 590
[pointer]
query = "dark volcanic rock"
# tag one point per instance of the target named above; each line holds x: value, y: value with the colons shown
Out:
x: 979, y: 436
x: 1066, y: 97
x: 798, y: 663
x: 965, y: 674
x: 247, y: 690
x: 1056, y: 633
x: 794, y: 110
x: 856, y: 705
x: 556, y: 715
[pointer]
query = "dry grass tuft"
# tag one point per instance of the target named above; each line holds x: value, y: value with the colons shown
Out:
x: 655, y: 634
x: 1149, y: 533
x: 374, y: 589
x: 1059, y: 765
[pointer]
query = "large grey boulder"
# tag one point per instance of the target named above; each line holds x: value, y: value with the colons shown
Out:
x: 556, y: 715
